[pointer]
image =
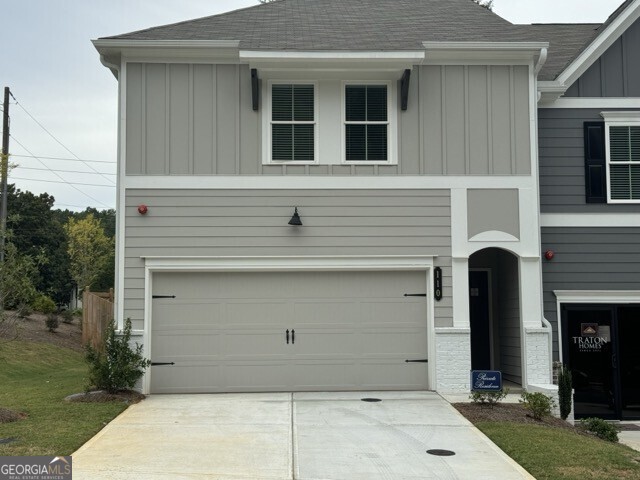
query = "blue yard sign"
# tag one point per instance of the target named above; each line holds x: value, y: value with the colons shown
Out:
x: 486, y: 381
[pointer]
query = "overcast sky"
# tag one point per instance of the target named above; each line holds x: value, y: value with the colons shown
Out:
x: 55, y: 74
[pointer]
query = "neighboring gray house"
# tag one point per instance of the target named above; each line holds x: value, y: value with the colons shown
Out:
x: 590, y: 204
x: 405, y: 134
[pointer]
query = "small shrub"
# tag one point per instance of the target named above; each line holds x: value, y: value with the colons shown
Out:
x: 67, y: 316
x: 44, y: 304
x: 538, y: 404
x: 24, y: 311
x: 489, y: 398
x: 118, y: 367
x: 77, y: 312
x: 565, y: 387
x: 52, y: 322
x: 600, y: 428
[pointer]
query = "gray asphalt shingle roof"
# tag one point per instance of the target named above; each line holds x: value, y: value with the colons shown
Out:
x: 378, y: 25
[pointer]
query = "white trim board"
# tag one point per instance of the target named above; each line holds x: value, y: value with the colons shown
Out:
x: 596, y: 296
x: 553, y: 220
x: 266, y: 182
x: 598, y: 103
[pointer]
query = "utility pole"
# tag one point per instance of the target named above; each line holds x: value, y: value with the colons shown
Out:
x: 4, y: 167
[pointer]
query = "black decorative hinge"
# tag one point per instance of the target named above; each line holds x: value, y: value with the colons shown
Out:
x: 415, y: 294
x: 417, y: 361
x: 163, y: 296
x: 157, y: 364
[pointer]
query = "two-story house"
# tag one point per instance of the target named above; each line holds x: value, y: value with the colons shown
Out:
x: 589, y: 139
x: 330, y: 195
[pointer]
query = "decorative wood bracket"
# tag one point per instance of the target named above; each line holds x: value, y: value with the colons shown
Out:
x: 255, y: 89
x: 404, y: 89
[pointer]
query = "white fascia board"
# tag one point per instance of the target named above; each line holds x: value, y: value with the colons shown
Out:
x: 600, y: 45
x: 596, y: 220
x: 351, y: 60
x: 484, y: 52
x: 155, y: 49
x: 297, y: 182
x: 592, y: 102
x: 290, y: 263
x: 623, y: 118
x: 597, y: 296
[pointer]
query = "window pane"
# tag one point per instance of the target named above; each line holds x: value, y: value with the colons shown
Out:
x: 356, y: 137
x: 625, y: 182
x: 303, y: 143
x: 376, y: 142
x: 282, y: 103
x: 282, y: 142
x: 303, y: 103
x: 355, y: 103
x: 634, y: 140
x: 377, y: 103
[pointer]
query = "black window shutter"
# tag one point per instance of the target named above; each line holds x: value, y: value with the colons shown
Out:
x: 595, y: 153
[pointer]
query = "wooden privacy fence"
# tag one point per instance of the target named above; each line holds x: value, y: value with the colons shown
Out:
x: 97, y: 312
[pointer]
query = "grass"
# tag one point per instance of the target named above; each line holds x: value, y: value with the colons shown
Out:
x: 557, y: 453
x: 34, y: 379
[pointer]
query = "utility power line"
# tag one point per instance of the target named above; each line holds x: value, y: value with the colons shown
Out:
x: 64, y: 181
x: 83, y: 160
x: 56, y: 139
x: 63, y: 171
x: 59, y: 176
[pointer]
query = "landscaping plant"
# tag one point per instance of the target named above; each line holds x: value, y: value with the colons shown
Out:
x: 565, y: 391
x: 601, y: 428
x: 117, y: 367
x: 44, y: 304
x: 52, y: 322
x: 489, y: 398
x: 538, y: 404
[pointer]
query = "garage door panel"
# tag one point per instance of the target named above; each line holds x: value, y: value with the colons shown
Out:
x: 227, y: 331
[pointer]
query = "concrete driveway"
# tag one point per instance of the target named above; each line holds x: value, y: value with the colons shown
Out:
x: 304, y: 436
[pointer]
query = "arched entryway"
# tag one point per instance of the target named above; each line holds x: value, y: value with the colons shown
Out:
x: 494, y: 313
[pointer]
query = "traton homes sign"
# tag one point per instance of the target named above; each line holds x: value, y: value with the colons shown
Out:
x: 486, y: 381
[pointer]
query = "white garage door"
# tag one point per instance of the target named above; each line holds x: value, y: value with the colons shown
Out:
x: 251, y: 332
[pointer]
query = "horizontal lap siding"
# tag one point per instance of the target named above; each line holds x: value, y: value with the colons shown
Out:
x: 254, y: 223
x: 562, y: 171
x: 589, y: 259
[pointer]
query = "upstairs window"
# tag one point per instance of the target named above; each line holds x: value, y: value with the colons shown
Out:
x: 366, y: 123
x: 623, y: 162
x: 293, y: 123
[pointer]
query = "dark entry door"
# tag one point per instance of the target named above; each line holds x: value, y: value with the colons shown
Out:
x: 628, y: 318
x: 600, y: 345
x: 479, y: 319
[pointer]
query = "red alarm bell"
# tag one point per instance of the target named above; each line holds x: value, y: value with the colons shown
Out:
x: 549, y: 254
x: 142, y: 209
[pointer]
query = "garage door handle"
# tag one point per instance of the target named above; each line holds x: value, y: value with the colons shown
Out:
x: 293, y: 336
x: 287, y: 337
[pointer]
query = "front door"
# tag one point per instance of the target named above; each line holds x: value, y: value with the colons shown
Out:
x: 600, y: 348
x: 479, y: 320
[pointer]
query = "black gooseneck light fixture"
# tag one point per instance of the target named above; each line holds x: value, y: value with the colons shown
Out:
x: 295, y: 219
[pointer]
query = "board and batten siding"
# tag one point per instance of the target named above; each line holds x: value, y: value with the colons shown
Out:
x: 562, y: 170
x: 588, y: 259
x: 197, y: 119
x: 616, y: 73
x: 254, y: 223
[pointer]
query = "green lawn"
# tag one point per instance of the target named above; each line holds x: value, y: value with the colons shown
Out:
x: 34, y: 379
x: 556, y: 453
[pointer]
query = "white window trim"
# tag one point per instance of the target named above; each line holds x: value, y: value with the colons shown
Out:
x: 617, y: 119
x: 392, y: 122
x: 267, y: 123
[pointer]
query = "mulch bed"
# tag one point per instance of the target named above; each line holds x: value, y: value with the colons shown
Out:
x: 7, y: 416
x: 128, y: 397
x: 507, y: 412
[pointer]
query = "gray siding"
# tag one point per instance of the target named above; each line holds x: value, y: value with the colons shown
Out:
x: 562, y: 182
x: 588, y: 259
x: 254, y: 223
x: 616, y: 73
x: 197, y: 120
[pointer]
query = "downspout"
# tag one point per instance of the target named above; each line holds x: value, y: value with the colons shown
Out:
x: 542, y: 59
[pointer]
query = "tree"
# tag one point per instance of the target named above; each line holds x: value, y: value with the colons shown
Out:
x: 90, y: 250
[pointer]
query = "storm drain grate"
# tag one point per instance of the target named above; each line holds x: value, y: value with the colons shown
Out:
x: 441, y: 453
x: 371, y: 400
x: 7, y: 440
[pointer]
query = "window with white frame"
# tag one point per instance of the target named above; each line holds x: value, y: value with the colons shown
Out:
x: 293, y: 122
x: 623, y: 156
x: 366, y: 123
